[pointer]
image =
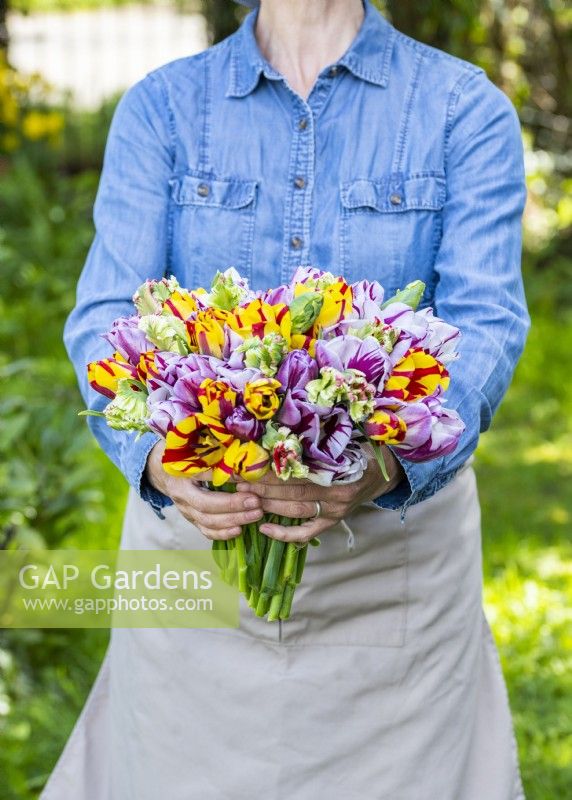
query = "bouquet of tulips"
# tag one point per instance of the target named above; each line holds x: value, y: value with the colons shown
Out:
x: 308, y: 380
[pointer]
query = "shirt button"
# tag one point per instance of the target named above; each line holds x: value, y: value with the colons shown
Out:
x: 299, y: 183
x: 202, y: 189
x: 303, y: 124
x: 333, y: 71
x: 296, y: 242
x: 395, y: 199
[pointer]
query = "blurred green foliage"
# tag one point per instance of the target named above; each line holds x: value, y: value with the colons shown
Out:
x: 57, y: 488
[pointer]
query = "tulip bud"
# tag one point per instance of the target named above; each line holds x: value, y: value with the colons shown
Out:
x: 228, y: 290
x: 411, y: 295
x: 166, y: 332
x: 151, y: 295
x: 264, y: 354
x: 304, y: 311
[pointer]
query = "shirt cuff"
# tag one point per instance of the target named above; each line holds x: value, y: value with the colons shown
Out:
x: 134, y: 461
x: 420, y: 481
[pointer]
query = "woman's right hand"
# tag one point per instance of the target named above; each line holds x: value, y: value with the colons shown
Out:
x: 218, y: 515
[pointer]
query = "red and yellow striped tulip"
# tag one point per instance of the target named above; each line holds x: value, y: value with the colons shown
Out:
x: 299, y: 341
x: 416, y: 375
x: 195, y: 445
x: 385, y: 426
x: 337, y: 303
x: 217, y: 398
x: 258, y: 319
x: 206, y: 331
x: 248, y: 460
x: 261, y: 398
x: 180, y: 304
x: 104, y: 375
x: 146, y: 366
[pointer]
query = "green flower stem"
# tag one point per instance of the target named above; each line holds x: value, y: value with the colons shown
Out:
x: 290, y: 559
x: 263, y: 604
x: 300, y: 563
x: 241, y: 564
x: 272, y: 567
x: 287, y: 597
x: 276, y: 602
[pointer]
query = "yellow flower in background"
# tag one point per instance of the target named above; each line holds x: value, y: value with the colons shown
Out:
x: 248, y: 460
x: 20, y: 121
x: 38, y: 124
x: 416, y: 375
x: 258, y: 319
x: 261, y: 398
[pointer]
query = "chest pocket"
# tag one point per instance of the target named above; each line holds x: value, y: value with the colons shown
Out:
x: 213, y: 226
x: 391, y: 226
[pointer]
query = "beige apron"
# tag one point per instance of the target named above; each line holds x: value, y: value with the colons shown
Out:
x: 384, y: 685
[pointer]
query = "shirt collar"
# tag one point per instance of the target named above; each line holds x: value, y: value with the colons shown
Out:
x: 368, y: 57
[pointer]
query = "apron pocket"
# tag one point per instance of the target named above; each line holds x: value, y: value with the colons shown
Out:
x: 358, y: 596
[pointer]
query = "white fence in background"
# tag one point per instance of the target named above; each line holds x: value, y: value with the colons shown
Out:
x: 96, y: 53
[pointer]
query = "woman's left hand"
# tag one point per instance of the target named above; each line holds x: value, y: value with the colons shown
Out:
x: 297, y: 499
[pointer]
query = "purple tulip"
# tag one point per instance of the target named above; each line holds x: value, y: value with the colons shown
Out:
x: 327, y: 442
x: 232, y: 357
x: 440, y: 339
x: 237, y: 378
x: 347, y: 468
x: 127, y: 339
x: 243, y: 425
x: 305, y: 274
x: 446, y: 430
x: 296, y: 370
x: 281, y: 294
x: 350, y: 352
x: 191, y: 371
x: 164, y: 410
x: 367, y: 297
x: 299, y: 415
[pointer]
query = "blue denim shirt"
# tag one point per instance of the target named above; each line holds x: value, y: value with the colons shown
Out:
x: 404, y: 162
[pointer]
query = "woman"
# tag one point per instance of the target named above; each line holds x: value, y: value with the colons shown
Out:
x: 317, y: 134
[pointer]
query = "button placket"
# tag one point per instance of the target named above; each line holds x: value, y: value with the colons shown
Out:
x: 298, y: 203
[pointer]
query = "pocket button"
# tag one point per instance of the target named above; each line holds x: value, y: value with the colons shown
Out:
x: 395, y: 199
x: 203, y: 190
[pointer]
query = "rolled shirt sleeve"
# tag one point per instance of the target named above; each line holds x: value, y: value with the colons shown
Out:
x: 130, y: 245
x: 480, y: 287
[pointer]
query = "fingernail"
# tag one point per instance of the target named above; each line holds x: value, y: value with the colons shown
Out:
x: 254, y: 515
x: 265, y: 529
x: 251, y: 502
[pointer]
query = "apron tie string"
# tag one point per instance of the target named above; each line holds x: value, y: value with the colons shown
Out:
x: 350, y: 533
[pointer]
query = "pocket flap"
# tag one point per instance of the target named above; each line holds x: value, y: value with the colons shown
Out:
x: 207, y: 190
x: 396, y: 192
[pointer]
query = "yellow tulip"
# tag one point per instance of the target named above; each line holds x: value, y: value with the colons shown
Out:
x: 248, y: 460
x: 261, y: 398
